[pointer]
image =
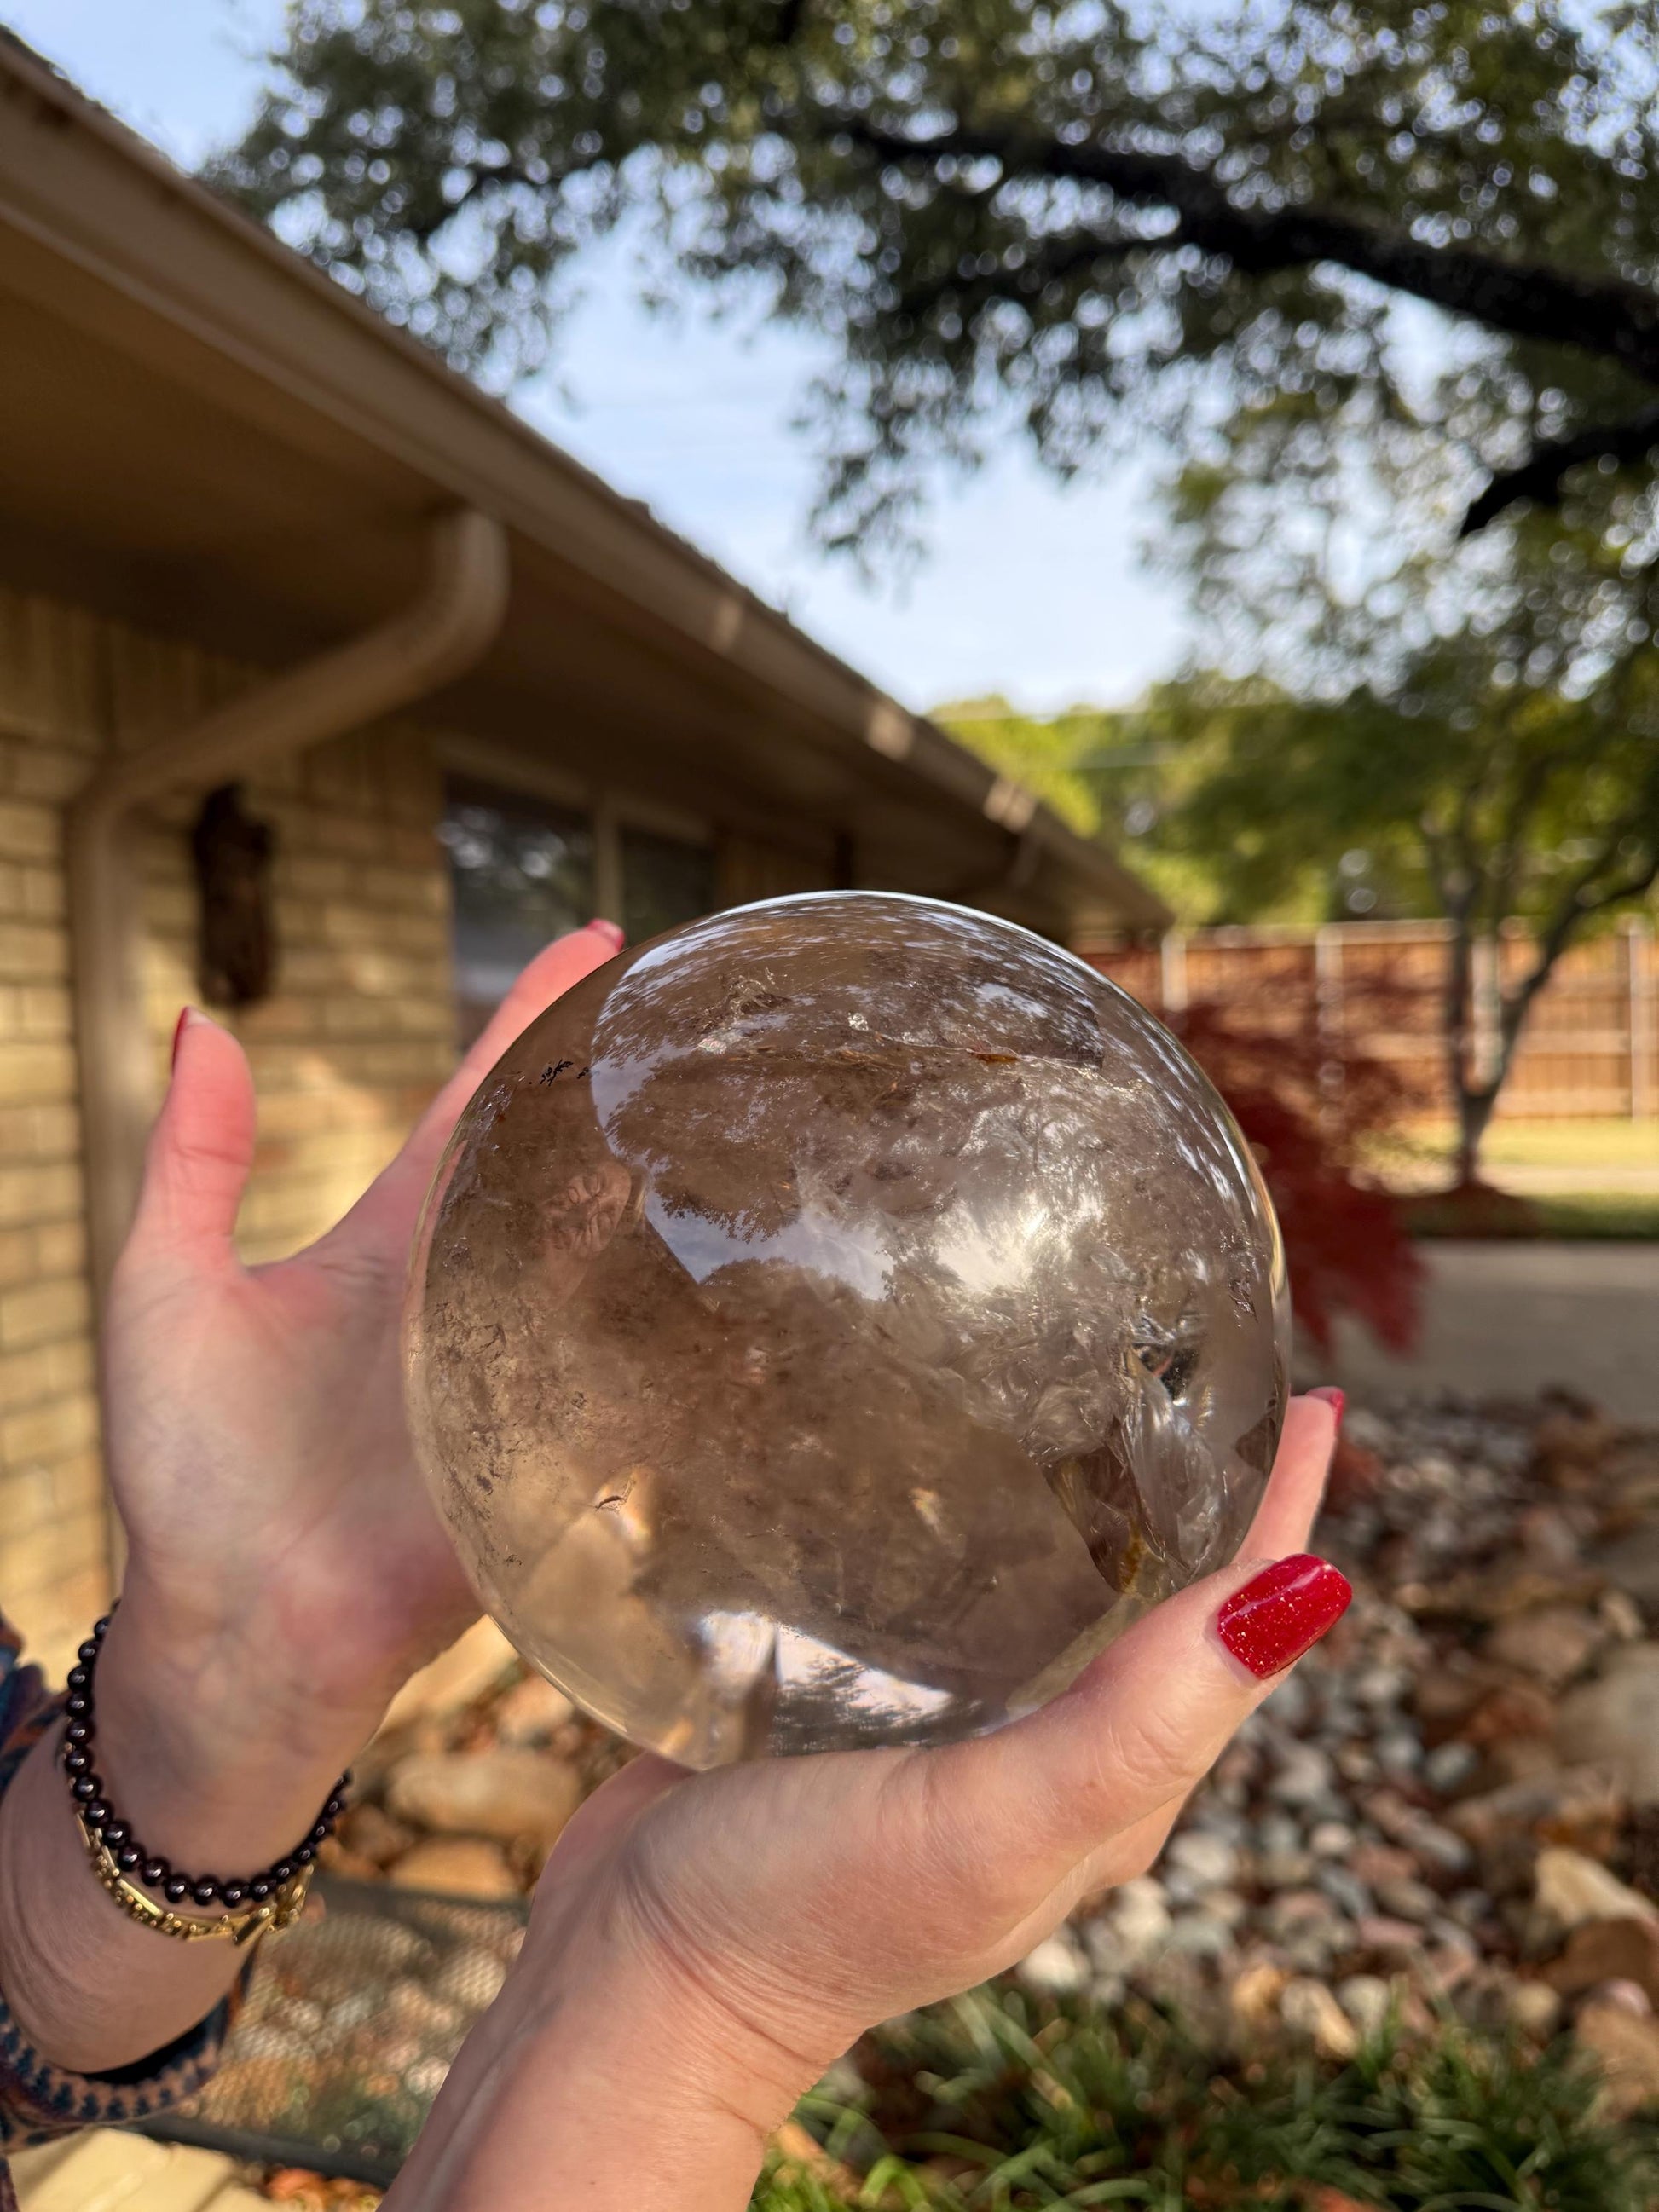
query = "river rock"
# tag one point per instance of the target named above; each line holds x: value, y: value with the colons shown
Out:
x: 1628, y: 2051
x: 457, y: 1866
x: 1310, y: 2011
x: 1553, y: 1644
x: 456, y: 1678
x: 1632, y: 1563
x: 533, y: 1712
x: 1600, y: 1951
x: 1450, y: 1766
x: 1138, y: 1919
x: 1396, y: 1939
x: 1346, y: 1890
x: 471, y: 1977
x: 1305, y: 1777
x: 1406, y: 1898
x: 1055, y: 1968
x: 1254, y: 1994
x: 1207, y: 1862
x: 1578, y: 1805
x: 1570, y: 1889
x: 410, y: 2006
x: 1533, y: 2007
x: 1199, y: 1934
x: 369, y: 1833
x: 1367, y: 2000
x: 1616, y: 1720
x: 501, y: 1793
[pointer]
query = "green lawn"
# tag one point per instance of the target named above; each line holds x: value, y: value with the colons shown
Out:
x: 1610, y: 1168
x: 1568, y: 1143
x: 1624, y: 1217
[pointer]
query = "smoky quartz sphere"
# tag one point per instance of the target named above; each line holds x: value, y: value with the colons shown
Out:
x: 833, y: 1322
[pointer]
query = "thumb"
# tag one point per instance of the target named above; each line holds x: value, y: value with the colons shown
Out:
x: 1142, y: 1723
x: 200, y: 1149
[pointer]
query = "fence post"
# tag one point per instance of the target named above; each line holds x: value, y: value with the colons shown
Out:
x: 1639, y: 961
x: 1485, y: 985
x: 1172, y: 971
x: 1330, y: 1025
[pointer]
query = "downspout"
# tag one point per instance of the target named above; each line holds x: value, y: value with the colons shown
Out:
x: 438, y: 636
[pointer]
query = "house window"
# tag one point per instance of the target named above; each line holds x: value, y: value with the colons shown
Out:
x: 665, y: 881
x: 522, y: 872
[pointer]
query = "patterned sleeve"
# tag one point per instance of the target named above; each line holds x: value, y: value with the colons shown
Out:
x: 37, y: 2099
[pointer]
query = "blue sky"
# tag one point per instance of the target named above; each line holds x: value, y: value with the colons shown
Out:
x: 1027, y: 589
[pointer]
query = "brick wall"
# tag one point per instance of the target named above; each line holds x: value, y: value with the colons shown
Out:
x: 355, y: 1038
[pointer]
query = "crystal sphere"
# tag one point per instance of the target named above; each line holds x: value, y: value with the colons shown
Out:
x: 834, y: 1322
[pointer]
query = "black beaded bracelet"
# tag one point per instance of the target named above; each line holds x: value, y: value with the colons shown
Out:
x: 98, y: 1814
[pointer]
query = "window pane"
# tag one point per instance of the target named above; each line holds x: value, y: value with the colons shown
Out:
x: 522, y: 872
x: 665, y: 882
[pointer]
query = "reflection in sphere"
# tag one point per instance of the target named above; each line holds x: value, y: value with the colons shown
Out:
x: 833, y: 1322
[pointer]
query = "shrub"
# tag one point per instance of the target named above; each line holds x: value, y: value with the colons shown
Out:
x: 1309, y: 1115
x: 998, y: 2103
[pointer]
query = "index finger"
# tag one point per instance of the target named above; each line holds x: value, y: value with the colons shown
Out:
x: 553, y: 971
x: 388, y: 1206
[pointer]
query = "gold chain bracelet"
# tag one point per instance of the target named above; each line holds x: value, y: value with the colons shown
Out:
x: 241, y: 1927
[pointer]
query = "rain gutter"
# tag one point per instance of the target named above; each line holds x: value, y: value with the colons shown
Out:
x: 440, y: 634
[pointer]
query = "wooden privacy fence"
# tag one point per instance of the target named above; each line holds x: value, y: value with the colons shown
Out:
x: 1590, y: 1045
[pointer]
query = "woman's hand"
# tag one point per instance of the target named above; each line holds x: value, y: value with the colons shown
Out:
x: 703, y: 1947
x: 285, y: 1572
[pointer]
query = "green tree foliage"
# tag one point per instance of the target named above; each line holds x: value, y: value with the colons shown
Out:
x: 1093, y: 218
x: 1465, y: 794
x: 1381, y: 278
x: 1118, y: 774
x: 1050, y: 755
x: 1497, y: 799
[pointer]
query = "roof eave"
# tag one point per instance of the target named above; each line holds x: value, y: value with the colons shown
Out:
x: 165, y: 252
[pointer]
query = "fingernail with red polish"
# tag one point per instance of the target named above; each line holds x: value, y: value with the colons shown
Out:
x: 610, y: 931
x: 178, y: 1029
x: 1283, y: 1612
x: 1335, y: 1399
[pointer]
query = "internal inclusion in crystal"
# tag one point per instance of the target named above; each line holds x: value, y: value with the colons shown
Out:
x: 834, y: 1322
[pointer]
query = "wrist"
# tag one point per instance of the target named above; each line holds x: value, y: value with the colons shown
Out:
x: 614, y: 2088
x: 215, y: 1770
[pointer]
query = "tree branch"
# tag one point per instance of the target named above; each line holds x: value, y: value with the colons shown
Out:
x: 1532, y: 781
x: 1457, y: 903
x: 1570, y: 917
x: 1539, y: 477
x: 482, y: 180
x: 1063, y: 256
x: 1602, y: 314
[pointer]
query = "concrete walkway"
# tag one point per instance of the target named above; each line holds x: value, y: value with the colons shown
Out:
x: 1509, y: 1319
x: 105, y: 2170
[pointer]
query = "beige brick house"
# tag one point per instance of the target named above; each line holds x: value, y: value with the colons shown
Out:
x: 453, y: 694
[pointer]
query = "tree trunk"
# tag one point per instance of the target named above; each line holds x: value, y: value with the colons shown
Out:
x: 1458, y: 1036
x: 1474, y: 1113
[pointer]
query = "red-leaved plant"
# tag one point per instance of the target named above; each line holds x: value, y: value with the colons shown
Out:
x: 1347, y: 1247
x: 1310, y: 1109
